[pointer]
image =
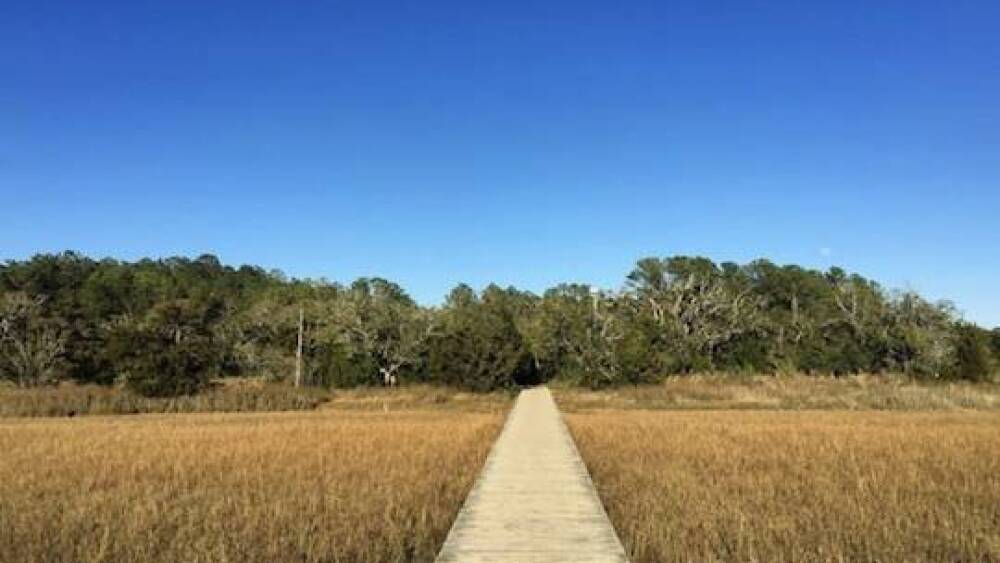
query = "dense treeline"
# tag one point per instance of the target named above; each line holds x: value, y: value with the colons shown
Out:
x: 167, y: 327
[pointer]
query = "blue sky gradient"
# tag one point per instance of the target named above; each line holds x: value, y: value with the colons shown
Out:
x: 524, y: 143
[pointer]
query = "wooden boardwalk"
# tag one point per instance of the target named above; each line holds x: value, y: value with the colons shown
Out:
x: 534, y: 501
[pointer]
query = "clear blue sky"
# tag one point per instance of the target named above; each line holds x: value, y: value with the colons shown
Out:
x: 525, y: 143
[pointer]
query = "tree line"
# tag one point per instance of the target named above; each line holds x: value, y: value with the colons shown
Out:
x: 169, y: 326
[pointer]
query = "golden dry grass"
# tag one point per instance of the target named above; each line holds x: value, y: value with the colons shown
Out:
x: 798, y: 486
x: 859, y: 392
x: 418, y: 396
x: 317, y: 486
x: 238, y: 395
x: 235, y: 395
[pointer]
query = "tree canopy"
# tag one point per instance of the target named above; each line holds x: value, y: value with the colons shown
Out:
x: 168, y: 326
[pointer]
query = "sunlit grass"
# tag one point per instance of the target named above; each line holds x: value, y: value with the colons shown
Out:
x: 798, y: 486
x: 317, y: 486
x: 724, y: 391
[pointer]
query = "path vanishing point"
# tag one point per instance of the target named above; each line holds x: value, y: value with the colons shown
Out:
x: 534, y: 501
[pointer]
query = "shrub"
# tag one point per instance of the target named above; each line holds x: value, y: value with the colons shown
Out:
x: 972, y: 353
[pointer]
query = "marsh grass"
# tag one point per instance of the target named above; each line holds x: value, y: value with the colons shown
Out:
x: 418, y: 397
x: 729, y: 392
x: 69, y: 399
x: 239, y: 395
x: 318, y: 486
x: 797, y: 486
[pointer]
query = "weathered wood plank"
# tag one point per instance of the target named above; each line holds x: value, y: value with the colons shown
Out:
x: 534, y: 500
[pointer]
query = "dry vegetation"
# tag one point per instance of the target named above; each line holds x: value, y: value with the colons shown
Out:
x: 237, y: 395
x: 68, y: 399
x: 863, y: 392
x: 418, y: 397
x: 798, y: 486
x: 319, y: 486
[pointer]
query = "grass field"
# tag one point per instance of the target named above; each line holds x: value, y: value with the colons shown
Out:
x: 418, y: 397
x: 236, y: 395
x: 793, y: 469
x: 330, y: 485
x: 764, y: 392
x: 797, y: 486
x: 233, y: 395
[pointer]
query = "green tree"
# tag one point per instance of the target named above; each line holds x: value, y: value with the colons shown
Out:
x: 920, y: 336
x: 478, y: 345
x: 377, y: 318
x: 995, y: 343
x: 31, y: 346
x: 972, y: 353
x: 171, y: 351
x: 698, y: 307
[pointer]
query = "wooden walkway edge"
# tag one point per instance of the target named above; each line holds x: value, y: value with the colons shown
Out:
x: 534, y: 500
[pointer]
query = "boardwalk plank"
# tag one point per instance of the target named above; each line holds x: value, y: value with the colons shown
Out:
x: 534, y: 500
